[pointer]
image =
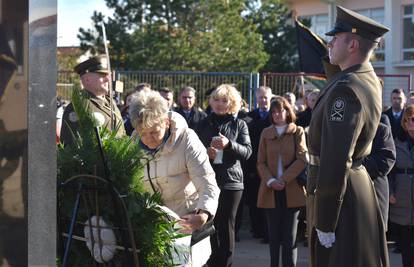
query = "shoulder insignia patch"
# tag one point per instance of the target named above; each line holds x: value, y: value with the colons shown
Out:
x: 338, y: 110
x: 73, y: 117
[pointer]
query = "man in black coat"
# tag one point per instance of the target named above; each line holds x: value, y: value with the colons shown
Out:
x: 187, y: 107
x: 258, y: 121
x: 303, y: 118
x: 380, y: 162
x: 395, y: 112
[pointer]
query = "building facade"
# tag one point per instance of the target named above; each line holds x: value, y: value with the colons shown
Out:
x: 395, y: 56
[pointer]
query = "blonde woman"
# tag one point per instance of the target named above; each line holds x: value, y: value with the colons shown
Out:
x: 227, y: 141
x: 179, y: 167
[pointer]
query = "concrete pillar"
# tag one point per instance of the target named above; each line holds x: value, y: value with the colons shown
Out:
x: 393, y: 39
x: 42, y: 72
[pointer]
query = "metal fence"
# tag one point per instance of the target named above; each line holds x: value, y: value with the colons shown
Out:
x: 66, y: 80
x: 298, y: 82
x: 201, y: 81
x: 246, y: 83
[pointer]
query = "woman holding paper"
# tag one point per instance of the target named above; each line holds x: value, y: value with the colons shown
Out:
x: 281, y: 158
x: 227, y: 141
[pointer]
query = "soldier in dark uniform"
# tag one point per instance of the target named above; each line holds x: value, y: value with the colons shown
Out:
x: 95, y: 80
x: 345, y: 222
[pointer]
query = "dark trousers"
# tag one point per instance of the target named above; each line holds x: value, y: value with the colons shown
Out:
x: 407, y: 245
x: 256, y: 215
x: 282, y: 227
x: 239, y: 215
x: 222, y: 242
x: 258, y: 222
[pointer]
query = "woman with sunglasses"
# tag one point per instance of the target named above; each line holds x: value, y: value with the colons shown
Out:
x: 402, y: 188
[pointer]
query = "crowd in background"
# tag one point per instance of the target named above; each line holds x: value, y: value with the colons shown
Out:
x: 257, y: 156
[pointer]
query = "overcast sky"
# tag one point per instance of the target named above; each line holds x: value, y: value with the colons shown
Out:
x: 73, y: 14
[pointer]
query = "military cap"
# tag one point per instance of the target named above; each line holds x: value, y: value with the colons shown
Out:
x: 98, y: 64
x: 350, y: 21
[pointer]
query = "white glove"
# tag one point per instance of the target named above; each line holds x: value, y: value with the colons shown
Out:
x: 326, y: 239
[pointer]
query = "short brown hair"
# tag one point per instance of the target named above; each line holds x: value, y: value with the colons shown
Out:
x: 280, y: 103
x: 408, y: 113
x: 365, y: 45
x: 397, y: 91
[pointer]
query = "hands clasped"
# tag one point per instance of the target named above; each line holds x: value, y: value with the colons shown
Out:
x: 326, y: 239
x: 277, y: 184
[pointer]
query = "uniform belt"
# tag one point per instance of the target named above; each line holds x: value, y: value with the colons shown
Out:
x: 404, y: 170
x: 316, y: 161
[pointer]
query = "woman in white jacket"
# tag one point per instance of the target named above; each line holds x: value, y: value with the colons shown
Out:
x: 179, y: 167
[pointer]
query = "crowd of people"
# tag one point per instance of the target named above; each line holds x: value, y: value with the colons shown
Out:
x: 204, y: 162
x: 267, y: 142
x: 348, y: 165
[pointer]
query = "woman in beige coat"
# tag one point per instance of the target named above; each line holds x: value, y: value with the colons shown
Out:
x: 179, y: 167
x: 281, y: 158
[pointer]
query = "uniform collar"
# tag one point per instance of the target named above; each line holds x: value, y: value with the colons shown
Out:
x: 358, y: 68
x: 363, y: 67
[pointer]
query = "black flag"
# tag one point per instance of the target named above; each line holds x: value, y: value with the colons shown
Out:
x: 311, y: 48
x: 7, y: 62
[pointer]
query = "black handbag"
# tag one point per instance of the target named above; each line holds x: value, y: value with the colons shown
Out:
x: 302, y: 178
x: 206, y: 230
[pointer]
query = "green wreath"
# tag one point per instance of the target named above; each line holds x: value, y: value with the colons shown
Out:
x: 122, y: 170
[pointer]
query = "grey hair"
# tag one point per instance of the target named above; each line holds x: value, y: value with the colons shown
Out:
x: 147, y: 109
x: 264, y: 88
x: 188, y: 88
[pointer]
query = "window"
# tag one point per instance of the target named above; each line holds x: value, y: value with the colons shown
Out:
x: 376, y: 14
x: 318, y: 24
x: 408, y: 33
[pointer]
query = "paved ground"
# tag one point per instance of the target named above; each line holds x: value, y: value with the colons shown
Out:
x: 251, y: 253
